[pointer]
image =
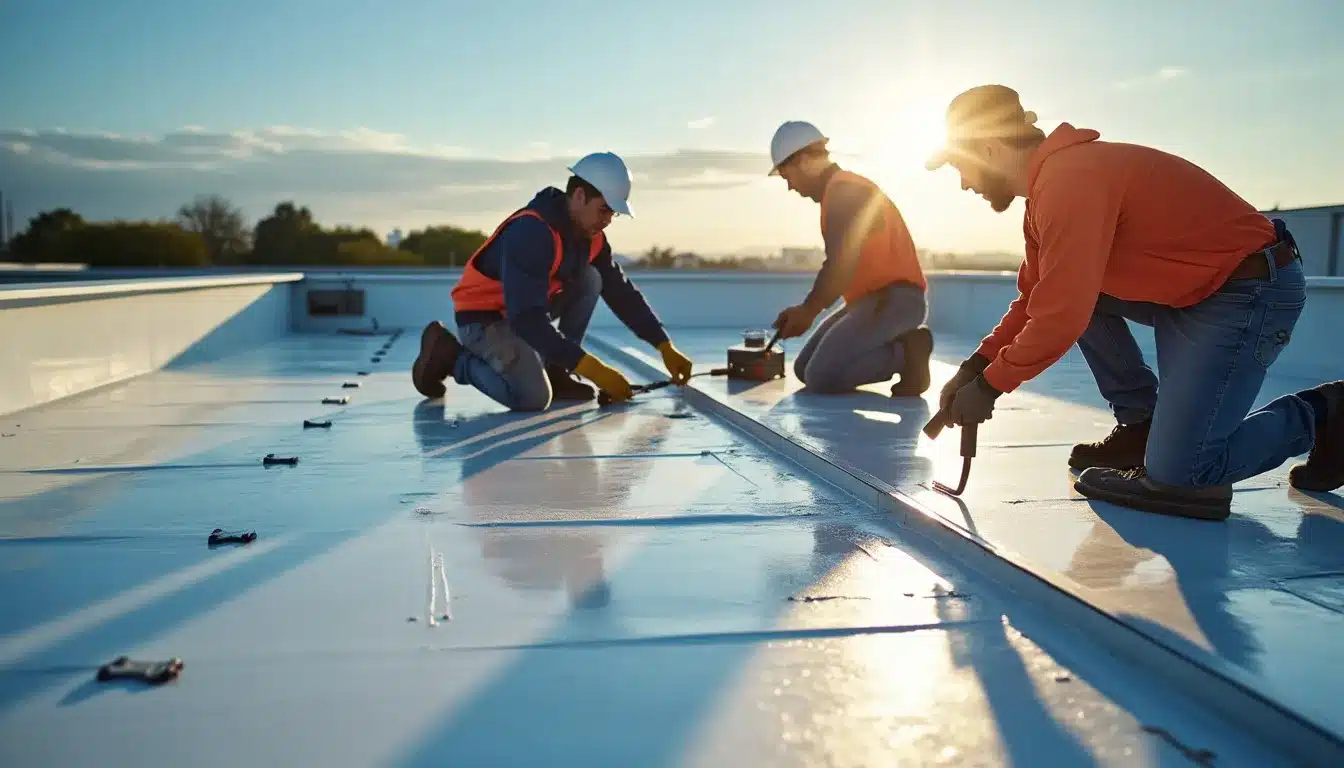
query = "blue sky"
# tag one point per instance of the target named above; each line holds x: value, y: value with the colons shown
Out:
x: 420, y: 112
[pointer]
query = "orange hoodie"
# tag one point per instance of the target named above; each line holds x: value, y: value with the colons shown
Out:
x: 1128, y: 221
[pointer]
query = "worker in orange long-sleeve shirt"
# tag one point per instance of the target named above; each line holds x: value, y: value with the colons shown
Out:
x: 1119, y: 232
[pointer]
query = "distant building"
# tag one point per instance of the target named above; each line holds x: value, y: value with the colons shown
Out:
x: 802, y: 258
x: 1317, y: 232
x: 394, y: 238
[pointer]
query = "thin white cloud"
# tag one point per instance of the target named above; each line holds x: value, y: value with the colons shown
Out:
x: 530, y: 152
x: 1163, y: 75
x: 448, y: 150
x: 378, y: 141
x: 700, y: 124
x: 714, y: 178
x: 289, y: 130
x: 473, y: 189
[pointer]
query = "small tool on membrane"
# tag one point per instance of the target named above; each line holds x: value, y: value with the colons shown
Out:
x: 935, y: 426
x: 221, y: 536
x: 152, y: 672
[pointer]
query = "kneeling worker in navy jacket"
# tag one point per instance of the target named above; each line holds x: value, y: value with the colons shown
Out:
x: 548, y: 261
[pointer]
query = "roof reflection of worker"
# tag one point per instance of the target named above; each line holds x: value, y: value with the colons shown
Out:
x: 1196, y: 591
x: 544, y: 557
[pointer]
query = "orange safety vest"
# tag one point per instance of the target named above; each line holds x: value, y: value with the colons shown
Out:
x: 887, y: 255
x: 476, y: 291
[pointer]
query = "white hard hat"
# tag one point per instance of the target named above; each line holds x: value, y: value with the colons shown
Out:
x: 608, y: 173
x: 791, y: 137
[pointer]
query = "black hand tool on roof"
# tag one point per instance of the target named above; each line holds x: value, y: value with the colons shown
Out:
x: 221, y: 536
x: 604, y: 399
x: 940, y: 421
x: 152, y: 672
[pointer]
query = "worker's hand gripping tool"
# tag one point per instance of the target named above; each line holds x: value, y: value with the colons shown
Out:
x: 935, y: 426
x: 744, y: 361
x: 604, y: 399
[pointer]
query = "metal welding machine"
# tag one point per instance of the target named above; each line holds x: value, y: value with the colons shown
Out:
x: 754, y: 359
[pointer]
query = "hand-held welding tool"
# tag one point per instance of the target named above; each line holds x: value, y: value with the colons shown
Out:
x: 941, y: 420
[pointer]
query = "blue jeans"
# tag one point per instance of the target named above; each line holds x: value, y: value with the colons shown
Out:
x: 858, y: 344
x: 1212, y: 358
x: 507, y: 369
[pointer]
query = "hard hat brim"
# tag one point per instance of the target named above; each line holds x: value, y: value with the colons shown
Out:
x: 822, y: 141
x: 620, y: 206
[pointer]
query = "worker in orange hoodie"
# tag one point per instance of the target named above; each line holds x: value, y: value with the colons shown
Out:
x: 1118, y: 232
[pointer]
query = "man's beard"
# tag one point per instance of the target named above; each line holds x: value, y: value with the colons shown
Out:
x: 997, y: 191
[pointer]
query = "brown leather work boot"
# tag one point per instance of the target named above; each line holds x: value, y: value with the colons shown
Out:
x: 438, y: 354
x: 1124, y: 448
x: 918, y: 349
x: 1323, y: 471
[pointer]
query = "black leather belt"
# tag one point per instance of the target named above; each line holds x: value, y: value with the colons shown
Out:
x: 1256, y: 266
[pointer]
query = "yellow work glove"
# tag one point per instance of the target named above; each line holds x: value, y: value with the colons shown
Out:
x: 676, y: 363
x: 606, y: 378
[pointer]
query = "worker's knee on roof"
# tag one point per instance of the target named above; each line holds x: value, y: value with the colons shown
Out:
x: 532, y: 400
x: 824, y: 379
x: 531, y: 392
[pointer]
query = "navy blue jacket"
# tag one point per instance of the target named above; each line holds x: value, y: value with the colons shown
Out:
x: 521, y: 258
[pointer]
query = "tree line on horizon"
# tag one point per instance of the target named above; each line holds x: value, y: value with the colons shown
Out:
x: 210, y: 231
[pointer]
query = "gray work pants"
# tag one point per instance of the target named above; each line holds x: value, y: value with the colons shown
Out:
x: 860, y: 343
x: 506, y: 368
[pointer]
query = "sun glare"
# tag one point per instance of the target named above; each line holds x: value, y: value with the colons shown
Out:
x: 891, y: 137
x: 904, y: 134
